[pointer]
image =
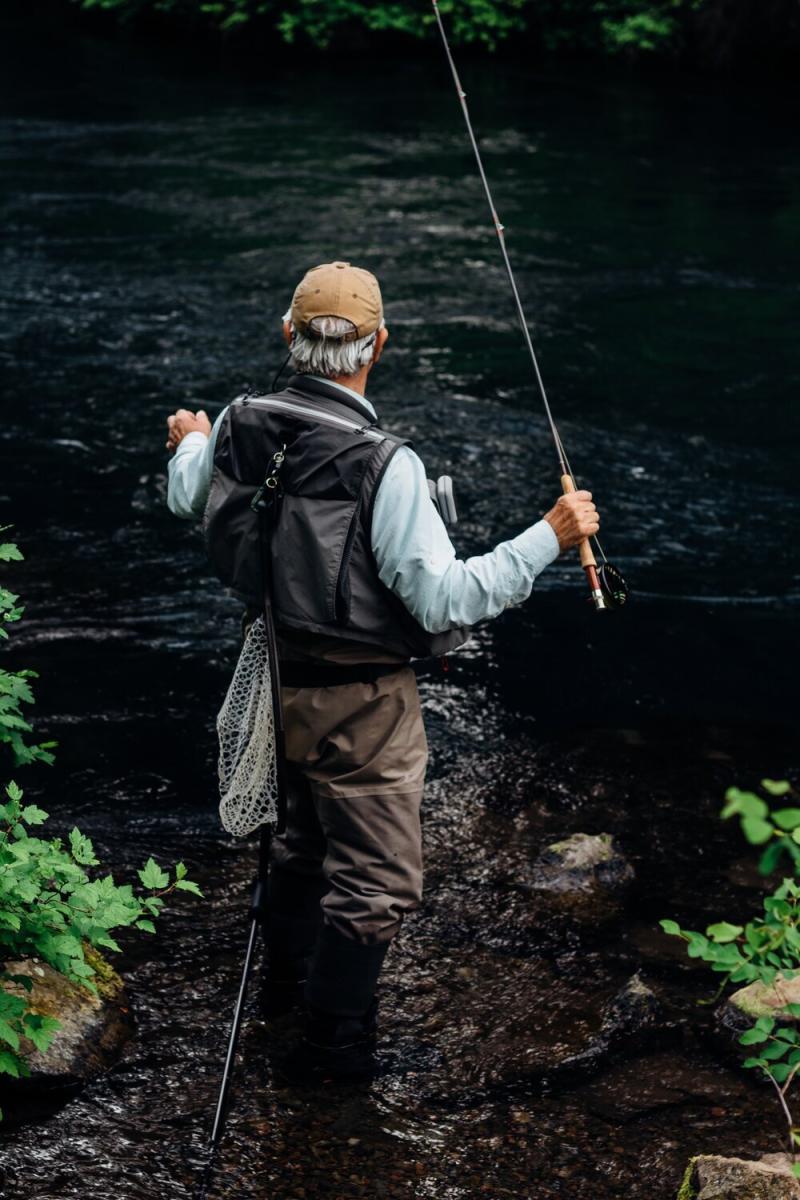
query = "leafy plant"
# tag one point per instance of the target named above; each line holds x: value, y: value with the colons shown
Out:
x: 15, y: 687
x: 52, y: 909
x: 767, y: 949
x: 778, y: 830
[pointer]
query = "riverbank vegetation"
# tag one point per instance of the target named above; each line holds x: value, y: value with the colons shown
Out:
x: 709, y: 33
x: 54, y: 907
x: 764, y: 953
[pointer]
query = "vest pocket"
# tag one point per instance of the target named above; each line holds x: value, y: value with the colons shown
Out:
x: 310, y: 551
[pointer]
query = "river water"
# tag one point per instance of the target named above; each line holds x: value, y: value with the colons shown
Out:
x: 157, y: 218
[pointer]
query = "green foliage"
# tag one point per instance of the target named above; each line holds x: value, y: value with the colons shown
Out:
x: 15, y: 688
x: 613, y: 26
x: 52, y: 909
x: 767, y: 949
x: 777, y: 829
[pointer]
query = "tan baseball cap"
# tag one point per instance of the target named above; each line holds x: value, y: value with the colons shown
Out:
x: 338, y: 290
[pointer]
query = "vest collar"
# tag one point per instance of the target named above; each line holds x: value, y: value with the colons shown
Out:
x: 332, y: 398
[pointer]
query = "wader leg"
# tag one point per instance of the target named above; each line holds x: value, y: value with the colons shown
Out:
x: 343, y: 974
x: 296, y: 887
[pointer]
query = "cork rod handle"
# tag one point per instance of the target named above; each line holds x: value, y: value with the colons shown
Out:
x: 587, y: 557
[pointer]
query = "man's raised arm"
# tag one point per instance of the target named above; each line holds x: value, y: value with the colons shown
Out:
x: 418, y: 562
x: 192, y: 438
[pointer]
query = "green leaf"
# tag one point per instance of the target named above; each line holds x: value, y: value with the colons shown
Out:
x: 779, y: 1071
x: 787, y: 818
x: 10, y: 553
x: 152, y: 876
x: 775, y: 1051
x: 776, y: 787
x: 745, y: 804
x: 10, y: 1064
x: 82, y: 849
x: 795, y: 1166
x: 756, y: 830
x: 146, y: 925
x: 771, y: 856
x: 33, y: 815
x: 13, y: 791
x: 186, y: 885
x: 724, y: 932
x: 41, y: 1030
x: 752, y: 1037
x: 671, y: 927
x: 180, y: 870
x: 9, y: 1034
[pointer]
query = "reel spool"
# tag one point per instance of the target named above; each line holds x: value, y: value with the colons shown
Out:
x: 613, y: 586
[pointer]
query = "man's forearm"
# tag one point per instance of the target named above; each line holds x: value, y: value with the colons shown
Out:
x: 190, y: 476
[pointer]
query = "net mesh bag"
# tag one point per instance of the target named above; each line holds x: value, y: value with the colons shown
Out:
x: 248, y: 781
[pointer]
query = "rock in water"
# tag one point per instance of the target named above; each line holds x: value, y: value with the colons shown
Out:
x: 743, y: 1008
x: 586, y: 875
x: 712, y: 1177
x: 94, y: 1028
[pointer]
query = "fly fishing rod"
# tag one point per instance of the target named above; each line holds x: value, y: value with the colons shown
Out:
x: 606, y: 584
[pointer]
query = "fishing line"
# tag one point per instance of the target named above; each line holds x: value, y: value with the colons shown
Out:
x: 607, y: 585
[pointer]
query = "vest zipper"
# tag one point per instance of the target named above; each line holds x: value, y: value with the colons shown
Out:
x: 323, y: 417
x: 341, y: 603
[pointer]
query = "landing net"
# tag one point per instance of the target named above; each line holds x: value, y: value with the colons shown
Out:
x: 248, y: 780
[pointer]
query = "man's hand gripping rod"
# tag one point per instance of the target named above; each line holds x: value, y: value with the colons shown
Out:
x: 602, y: 598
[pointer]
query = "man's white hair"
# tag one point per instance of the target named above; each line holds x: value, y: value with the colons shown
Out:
x: 326, y: 353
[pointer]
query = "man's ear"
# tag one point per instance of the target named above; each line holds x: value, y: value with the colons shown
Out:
x: 287, y: 333
x: 381, y: 338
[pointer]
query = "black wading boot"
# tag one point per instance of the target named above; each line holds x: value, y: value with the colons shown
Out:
x: 338, y: 1043
x: 294, y: 920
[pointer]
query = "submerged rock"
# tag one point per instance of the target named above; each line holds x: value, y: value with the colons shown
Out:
x: 507, y: 1020
x: 743, y: 1008
x: 585, y: 874
x: 713, y: 1177
x: 94, y: 1027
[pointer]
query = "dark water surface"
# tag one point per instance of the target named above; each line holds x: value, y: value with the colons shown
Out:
x: 155, y: 225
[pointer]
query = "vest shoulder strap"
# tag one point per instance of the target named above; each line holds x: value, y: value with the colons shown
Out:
x: 306, y: 409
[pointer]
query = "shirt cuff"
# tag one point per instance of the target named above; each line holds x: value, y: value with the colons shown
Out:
x: 194, y: 439
x: 538, y: 546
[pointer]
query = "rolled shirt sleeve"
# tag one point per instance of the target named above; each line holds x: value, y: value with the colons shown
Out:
x: 190, y: 470
x: 418, y: 562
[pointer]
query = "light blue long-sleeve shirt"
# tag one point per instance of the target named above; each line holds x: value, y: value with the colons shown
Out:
x: 412, y: 549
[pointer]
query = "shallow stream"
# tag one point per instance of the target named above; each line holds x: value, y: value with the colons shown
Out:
x: 157, y: 219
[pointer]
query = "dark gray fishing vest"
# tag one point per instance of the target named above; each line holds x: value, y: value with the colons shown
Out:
x: 324, y: 576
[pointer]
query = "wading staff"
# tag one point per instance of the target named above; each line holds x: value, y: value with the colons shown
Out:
x: 607, y: 587
x: 264, y: 503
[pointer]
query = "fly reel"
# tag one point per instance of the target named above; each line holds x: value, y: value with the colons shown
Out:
x: 613, y: 586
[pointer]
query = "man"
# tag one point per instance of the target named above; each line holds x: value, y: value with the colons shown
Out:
x: 364, y: 578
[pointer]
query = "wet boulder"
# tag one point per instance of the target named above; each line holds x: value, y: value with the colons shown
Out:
x: 94, y: 1027
x: 585, y: 876
x: 713, y: 1177
x: 743, y: 1008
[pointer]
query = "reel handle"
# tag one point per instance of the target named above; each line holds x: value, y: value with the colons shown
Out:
x: 588, y: 560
